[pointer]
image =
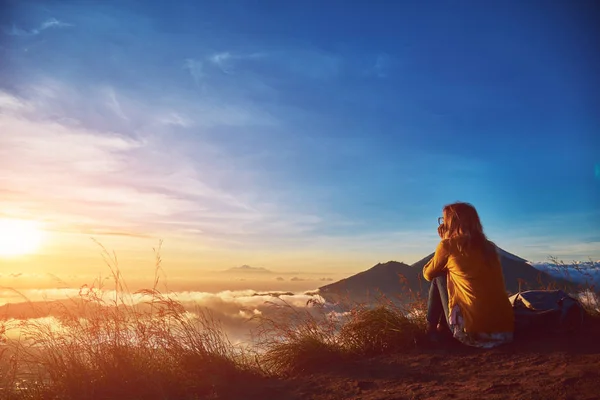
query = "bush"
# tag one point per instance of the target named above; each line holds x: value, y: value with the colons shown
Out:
x: 296, y: 340
x: 383, y: 329
x: 307, y: 340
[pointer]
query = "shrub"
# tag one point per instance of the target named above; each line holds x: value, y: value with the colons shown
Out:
x: 297, y: 340
x: 306, y: 340
x: 383, y: 329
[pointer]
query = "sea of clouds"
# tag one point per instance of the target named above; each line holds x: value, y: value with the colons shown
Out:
x: 240, y: 311
x: 586, y: 273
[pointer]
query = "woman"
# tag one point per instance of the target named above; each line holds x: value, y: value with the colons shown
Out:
x: 467, y: 286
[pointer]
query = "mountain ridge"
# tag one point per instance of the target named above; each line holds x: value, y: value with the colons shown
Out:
x: 400, y: 282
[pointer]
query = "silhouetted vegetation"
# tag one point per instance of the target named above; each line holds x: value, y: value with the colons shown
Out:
x: 117, y: 347
x: 306, y: 340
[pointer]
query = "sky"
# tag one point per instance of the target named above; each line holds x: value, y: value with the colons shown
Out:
x: 312, y: 136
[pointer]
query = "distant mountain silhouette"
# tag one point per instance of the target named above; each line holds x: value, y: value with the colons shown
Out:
x: 400, y: 282
x: 381, y: 279
x: 248, y: 269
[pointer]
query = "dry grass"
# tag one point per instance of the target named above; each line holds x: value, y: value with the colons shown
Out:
x: 297, y: 340
x: 110, y: 343
x: 586, y: 292
x: 141, y: 345
x: 309, y: 339
x: 384, y: 329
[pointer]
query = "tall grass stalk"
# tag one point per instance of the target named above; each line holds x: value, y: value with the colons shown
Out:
x: 586, y: 290
x: 120, y: 345
x: 297, y: 340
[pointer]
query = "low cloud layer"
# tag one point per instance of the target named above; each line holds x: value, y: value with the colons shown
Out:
x: 583, y: 273
x: 235, y: 310
x: 238, y: 311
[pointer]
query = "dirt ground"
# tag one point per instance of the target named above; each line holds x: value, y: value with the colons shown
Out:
x: 551, y: 367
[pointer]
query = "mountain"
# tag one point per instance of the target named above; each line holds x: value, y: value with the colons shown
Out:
x: 246, y: 269
x: 401, y: 282
x: 381, y: 279
x: 518, y: 273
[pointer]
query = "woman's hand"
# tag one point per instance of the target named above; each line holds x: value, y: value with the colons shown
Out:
x: 442, y: 231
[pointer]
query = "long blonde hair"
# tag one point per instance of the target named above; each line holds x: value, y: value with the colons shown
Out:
x: 461, y: 221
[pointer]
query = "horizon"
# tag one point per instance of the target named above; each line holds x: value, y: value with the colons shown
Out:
x: 286, y: 138
x: 233, y: 302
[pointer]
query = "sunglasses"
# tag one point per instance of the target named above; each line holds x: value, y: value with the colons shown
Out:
x: 440, y: 220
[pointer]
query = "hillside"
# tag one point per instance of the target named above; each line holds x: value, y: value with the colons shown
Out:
x: 397, y: 280
x: 536, y: 368
x: 382, y: 279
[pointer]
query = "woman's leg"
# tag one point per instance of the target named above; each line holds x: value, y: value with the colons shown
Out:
x: 437, y: 303
x: 442, y: 285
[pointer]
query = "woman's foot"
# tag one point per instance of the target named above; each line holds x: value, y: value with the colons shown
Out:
x: 433, y: 334
x: 438, y: 334
x: 444, y: 331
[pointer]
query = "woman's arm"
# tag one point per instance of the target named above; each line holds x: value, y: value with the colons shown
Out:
x: 437, y: 265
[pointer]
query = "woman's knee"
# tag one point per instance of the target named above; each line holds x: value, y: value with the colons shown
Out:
x: 439, y: 281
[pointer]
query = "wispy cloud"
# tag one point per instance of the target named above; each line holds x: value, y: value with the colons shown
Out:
x: 222, y: 60
x: 306, y: 62
x: 176, y: 119
x: 10, y: 103
x: 82, y: 171
x: 114, y: 104
x: 226, y: 60
x: 54, y: 23
x: 537, y: 237
x: 73, y: 175
x: 96, y: 181
x: 195, y: 68
x: 382, y: 66
x: 140, y: 128
x: 51, y: 23
x: 541, y: 248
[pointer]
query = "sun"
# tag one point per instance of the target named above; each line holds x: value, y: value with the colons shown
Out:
x: 19, y: 237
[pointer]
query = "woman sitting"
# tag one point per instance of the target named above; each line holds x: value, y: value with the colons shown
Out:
x: 467, y: 292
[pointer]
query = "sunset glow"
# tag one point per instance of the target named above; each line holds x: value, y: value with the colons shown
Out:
x: 19, y: 237
x: 266, y: 136
x: 194, y: 193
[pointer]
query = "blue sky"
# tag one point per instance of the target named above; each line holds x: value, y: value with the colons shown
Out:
x: 321, y: 128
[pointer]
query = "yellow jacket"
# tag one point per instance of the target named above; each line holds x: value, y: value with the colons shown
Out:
x: 475, y: 286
